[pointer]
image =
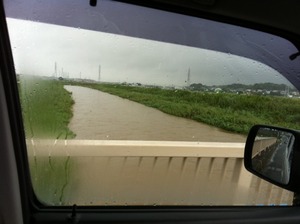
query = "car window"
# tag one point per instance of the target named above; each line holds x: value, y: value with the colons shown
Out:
x: 125, y: 105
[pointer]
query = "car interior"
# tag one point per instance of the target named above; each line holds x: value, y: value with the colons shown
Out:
x: 140, y: 71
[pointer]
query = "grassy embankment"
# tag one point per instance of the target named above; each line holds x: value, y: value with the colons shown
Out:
x: 46, y: 107
x: 231, y: 112
x: 47, y: 110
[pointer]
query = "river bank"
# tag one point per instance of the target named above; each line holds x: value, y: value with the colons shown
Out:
x: 99, y: 115
x: 230, y: 112
x: 47, y: 107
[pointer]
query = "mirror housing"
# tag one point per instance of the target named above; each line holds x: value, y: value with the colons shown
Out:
x: 273, y: 154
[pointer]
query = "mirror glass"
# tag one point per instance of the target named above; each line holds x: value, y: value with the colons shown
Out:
x: 272, y: 154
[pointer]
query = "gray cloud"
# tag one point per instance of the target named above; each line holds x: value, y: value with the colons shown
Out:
x: 79, y: 52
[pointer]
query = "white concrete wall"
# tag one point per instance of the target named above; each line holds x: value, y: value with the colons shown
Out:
x: 154, y: 173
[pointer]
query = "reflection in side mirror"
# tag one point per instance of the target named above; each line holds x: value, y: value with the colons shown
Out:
x: 272, y: 154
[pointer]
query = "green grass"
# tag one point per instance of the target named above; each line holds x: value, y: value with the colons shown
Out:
x: 231, y: 112
x: 46, y: 108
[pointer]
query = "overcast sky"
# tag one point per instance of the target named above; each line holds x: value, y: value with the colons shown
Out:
x: 79, y: 53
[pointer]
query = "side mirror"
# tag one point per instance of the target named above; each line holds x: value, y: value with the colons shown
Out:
x: 273, y: 154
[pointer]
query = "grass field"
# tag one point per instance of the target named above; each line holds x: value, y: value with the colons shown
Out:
x: 46, y: 108
x: 231, y: 112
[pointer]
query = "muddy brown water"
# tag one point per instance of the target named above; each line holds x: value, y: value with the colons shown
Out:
x: 102, y: 116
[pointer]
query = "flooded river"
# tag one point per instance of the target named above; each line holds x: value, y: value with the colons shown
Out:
x: 102, y: 116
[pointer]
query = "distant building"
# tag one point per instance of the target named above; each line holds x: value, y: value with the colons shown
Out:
x: 217, y: 90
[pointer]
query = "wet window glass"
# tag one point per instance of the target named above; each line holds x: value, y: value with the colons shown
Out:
x: 126, y: 105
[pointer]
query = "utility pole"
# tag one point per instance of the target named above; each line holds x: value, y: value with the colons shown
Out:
x: 99, y: 77
x: 188, y: 82
x: 55, y: 70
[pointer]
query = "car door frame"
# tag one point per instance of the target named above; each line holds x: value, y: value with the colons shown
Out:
x: 18, y: 204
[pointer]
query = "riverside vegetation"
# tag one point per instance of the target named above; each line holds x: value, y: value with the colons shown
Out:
x: 46, y: 108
